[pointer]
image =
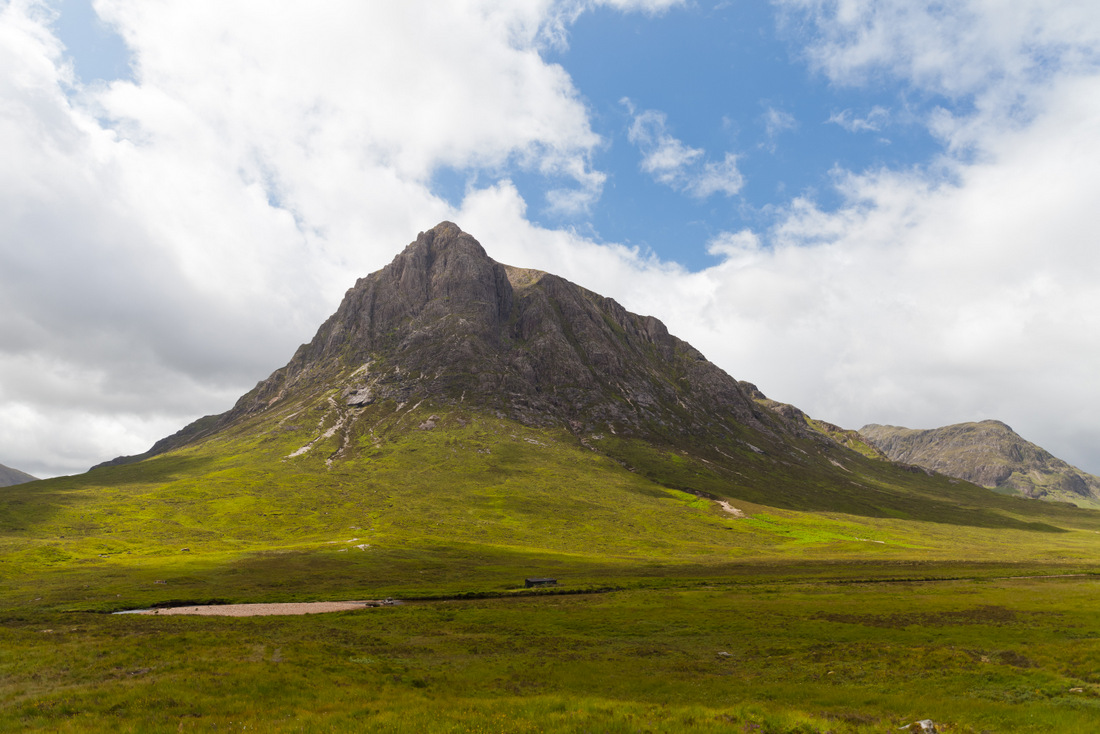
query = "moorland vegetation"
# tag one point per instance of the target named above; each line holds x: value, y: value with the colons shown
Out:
x: 458, y: 426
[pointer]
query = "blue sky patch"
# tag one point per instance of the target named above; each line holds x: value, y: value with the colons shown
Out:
x: 97, y: 51
x: 727, y: 82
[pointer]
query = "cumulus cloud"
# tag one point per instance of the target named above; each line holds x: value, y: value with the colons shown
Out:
x: 952, y: 48
x: 995, y: 55
x: 649, y: 6
x: 742, y: 247
x: 664, y: 155
x: 677, y: 165
x: 717, y: 177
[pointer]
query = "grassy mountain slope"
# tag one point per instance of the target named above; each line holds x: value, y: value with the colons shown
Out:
x: 990, y: 454
x: 464, y: 500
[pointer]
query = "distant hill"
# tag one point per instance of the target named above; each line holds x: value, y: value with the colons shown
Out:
x: 990, y: 454
x: 9, y: 476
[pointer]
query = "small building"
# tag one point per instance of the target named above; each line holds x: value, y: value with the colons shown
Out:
x: 530, y: 583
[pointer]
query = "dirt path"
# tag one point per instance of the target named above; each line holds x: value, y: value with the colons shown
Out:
x: 730, y: 508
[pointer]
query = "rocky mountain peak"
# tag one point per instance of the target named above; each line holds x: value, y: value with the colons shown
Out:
x: 448, y: 269
x: 444, y: 272
x: 445, y: 322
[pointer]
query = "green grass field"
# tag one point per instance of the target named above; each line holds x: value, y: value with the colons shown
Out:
x: 851, y: 606
x: 736, y: 653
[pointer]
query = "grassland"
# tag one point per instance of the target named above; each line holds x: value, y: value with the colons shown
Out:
x: 733, y: 654
x: 846, y: 607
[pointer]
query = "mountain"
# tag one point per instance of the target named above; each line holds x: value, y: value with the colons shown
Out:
x: 444, y: 322
x: 9, y: 476
x: 990, y: 454
x: 444, y: 336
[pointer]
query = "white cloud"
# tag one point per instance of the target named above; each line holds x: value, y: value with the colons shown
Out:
x: 663, y: 155
x: 649, y: 6
x: 579, y: 198
x: 717, y: 178
x: 777, y: 121
x: 677, y: 165
x: 997, y: 54
x: 552, y: 18
x: 401, y: 88
x: 742, y: 247
x: 953, y: 48
x: 873, y: 121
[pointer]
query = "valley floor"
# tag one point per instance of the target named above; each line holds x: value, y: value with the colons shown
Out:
x: 791, y: 650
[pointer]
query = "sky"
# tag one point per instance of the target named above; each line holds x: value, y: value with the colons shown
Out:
x: 881, y: 211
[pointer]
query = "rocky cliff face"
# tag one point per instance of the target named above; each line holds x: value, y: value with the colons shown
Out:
x: 990, y: 454
x: 445, y: 322
x: 9, y: 476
